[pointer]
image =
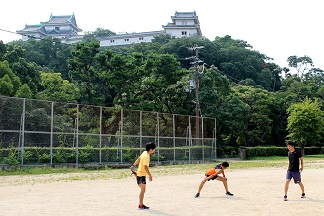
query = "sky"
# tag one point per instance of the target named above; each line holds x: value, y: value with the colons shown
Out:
x: 276, y: 28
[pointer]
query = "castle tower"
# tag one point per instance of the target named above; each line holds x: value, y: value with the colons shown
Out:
x: 184, y: 24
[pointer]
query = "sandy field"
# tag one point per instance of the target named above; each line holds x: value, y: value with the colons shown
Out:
x: 256, y: 192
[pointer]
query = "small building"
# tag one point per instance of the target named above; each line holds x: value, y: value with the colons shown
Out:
x: 184, y: 24
x: 57, y: 27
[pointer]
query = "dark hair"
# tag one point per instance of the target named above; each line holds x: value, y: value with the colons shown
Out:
x: 149, y: 146
x: 225, y: 164
x: 291, y: 143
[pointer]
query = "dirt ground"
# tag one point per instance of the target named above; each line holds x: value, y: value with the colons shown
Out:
x: 256, y: 192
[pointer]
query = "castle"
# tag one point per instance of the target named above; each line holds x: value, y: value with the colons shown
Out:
x: 184, y: 24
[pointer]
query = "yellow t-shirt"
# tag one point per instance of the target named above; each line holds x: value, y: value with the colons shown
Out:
x: 144, y: 161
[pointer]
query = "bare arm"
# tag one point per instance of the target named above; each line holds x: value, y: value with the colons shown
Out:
x: 148, y: 172
x: 217, y: 172
x: 137, y: 161
x: 301, y: 164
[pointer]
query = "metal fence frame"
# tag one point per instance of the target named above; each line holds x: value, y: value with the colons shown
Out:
x: 142, y: 122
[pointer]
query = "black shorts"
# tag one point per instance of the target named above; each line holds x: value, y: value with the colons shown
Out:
x: 141, y: 179
x: 215, y: 177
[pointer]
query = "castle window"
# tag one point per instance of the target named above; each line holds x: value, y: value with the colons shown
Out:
x: 126, y: 39
x: 184, y: 23
x: 184, y: 32
x: 112, y: 41
x: 57, y: 28
x: 141, y: 38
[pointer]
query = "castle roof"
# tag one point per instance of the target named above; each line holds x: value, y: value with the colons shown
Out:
x: 184, y: 16
x: 54, y: 21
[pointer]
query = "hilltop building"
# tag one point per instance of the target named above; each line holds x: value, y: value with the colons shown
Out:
x: 184, y: 24
x: 57, y: 26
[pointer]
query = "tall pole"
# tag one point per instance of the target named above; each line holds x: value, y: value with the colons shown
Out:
x: 197, y: 96
x: 197, y: 88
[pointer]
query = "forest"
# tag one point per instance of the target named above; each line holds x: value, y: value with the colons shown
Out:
x: 255, y: 101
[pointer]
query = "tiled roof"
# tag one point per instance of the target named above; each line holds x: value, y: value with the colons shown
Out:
x: 53, y: 21
x: 185, y: 14
x: 31, y: 27
x: 61, y: 19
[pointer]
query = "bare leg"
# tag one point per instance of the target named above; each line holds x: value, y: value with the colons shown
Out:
x: 201, y: 185
x: 224, y: 180
x: 141, y: 195
x: 301, y: 187
x: 286, y: 186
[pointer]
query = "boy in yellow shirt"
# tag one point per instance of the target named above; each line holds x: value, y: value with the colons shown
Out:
x: 143, y: 162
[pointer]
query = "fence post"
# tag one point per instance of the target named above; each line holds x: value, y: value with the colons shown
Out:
x: 158, y: 135
x: 174, y: 145
x: 23, y: 131
x: 52, y: 128
x: 121, y: 134
x: 215, y: 140
x: 190, y: 139
x: 77, y: 136
x: 100, y: 135
x: 202, y: 138
x: 141, y: 132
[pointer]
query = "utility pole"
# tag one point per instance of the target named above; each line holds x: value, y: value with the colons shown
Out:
x: 196, y: 62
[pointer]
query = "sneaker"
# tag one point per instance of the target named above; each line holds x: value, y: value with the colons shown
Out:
x: 197, y: 195
x: 143, y: 207
x: 229, y: 193
x: 303, y: 195
x: 285, y: 198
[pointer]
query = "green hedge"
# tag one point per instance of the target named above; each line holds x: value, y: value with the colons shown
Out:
x: 89, y: 154
x: 277, y: 151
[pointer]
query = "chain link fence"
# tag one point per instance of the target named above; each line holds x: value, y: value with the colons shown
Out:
x: 46, y: 132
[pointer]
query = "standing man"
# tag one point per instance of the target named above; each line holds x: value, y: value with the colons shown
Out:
x: 143, y: 162
x: 293, y: 169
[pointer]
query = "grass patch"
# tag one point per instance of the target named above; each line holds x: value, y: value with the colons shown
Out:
x: 186, y: 169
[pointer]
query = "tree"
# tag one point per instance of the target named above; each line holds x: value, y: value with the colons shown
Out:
x: 9, y: 82
x: 301, y: 64
x: 83, y: 69
x: 27, y: 72
x: 24, y: 92
x: 305, y: 122
x: 57, y: 89
x: 258, y: 121
x: 98, y: 33
x: 49, y: 54
x: 2, y: 49
x: 233, y: 122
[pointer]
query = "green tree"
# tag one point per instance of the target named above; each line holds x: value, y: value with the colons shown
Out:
x: 6, y: 86
x: 49, y: 54
x: 27, y: 72
x: 2, y: 49
x: 57, y: 89
x: 305, y: 122
x: 301, y: 64
x: 9, y: 82
x: 150, y: 85
x: 98, y: 33
x: 258, y: 121
x: 24, y: 92
x: 83, y: 69
x: 233, y: 122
